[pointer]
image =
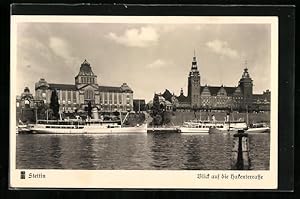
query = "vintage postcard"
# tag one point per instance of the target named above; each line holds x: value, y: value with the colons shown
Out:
x: 139, y: 102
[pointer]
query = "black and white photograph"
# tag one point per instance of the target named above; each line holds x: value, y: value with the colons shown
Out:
x: 144, y: 94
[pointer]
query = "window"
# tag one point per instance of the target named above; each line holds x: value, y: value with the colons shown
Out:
x: 120, y: 98
x: 128, y: 100
x: 89, y: 94
x: 69, y: 95
x: 115, y: 98
x: 101, y: 98
x: 64, y: 95
x: 105, y: 98
x: 74, y: 96
x: 110, y: 98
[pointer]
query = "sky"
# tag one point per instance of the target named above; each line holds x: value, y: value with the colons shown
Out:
x: 148, y: 57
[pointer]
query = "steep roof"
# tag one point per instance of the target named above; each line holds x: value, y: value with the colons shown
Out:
x: 167, y: 95
x: 183, y: 99
x: 230, y: 90
x: 62, y: 86
x: 215, y: 89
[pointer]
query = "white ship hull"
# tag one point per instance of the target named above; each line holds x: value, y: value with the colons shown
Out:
x: 193, y: 130
x: 234, y: 130
x: 120, y: 130
x: 258, y: 130
x: 42, y: 129
x: 228, y: 128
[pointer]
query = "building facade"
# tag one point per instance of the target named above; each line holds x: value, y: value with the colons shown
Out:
x: 26, y: 100
x: 239, y: 97
x: 86, y: 89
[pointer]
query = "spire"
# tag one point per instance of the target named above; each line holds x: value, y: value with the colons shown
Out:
x: 246, y: 73
x: 85, y: 62
x: 245, y: 76
x: 181, y: 91
x: 194, y: 63
x: 246, y: 65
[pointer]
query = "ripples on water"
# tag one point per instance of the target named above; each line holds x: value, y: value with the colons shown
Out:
x: 152, y: 151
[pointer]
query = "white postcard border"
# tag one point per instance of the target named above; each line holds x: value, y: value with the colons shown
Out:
x: 167, y: 179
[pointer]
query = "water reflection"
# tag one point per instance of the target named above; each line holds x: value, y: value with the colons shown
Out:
x: 193, y: 152
x: 152, y: 151
x: 165, y: 150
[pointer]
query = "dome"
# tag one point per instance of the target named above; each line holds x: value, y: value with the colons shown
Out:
x: 26, y: 90
x: 126, y: 88
x: 26, y: 94
x: 41, y: 83
x: 85, y: 68
x: 246, y: 73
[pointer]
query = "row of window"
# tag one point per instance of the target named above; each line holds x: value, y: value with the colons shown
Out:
x: 87, y: 80
x: 67, y: 95
x: 106, y: 98
x: 113, y: 98
x: 218, y: 97
x: 63, y: 102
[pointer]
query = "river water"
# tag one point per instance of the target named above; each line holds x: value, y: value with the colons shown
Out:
x: 152, y: 151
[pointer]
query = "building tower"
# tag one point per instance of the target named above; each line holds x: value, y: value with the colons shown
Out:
x: 246, y: 85
x: 194, y: 85
x: 41, y: 90
x: 85, y: 75
x: 86, y: 83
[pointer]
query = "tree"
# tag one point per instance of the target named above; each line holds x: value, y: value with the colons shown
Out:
x: 156, y: 113
x: 157, y: 119
x: 156, y: 106
x: 167, y: 117
x: 42, y: 111
x: 54, y: 105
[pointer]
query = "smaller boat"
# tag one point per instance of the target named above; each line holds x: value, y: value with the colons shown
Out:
x: 258, y: 128
x: 226, y: 126
x: 195, y: 127
x: 22, y: 128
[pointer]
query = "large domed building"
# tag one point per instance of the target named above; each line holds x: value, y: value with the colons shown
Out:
x: 86, y: 89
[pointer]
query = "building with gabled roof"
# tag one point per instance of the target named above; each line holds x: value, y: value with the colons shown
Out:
x: 239, y: 97
x: 86, y: 89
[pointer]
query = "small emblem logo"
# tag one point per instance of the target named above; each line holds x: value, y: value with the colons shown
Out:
x: 22, y: 174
